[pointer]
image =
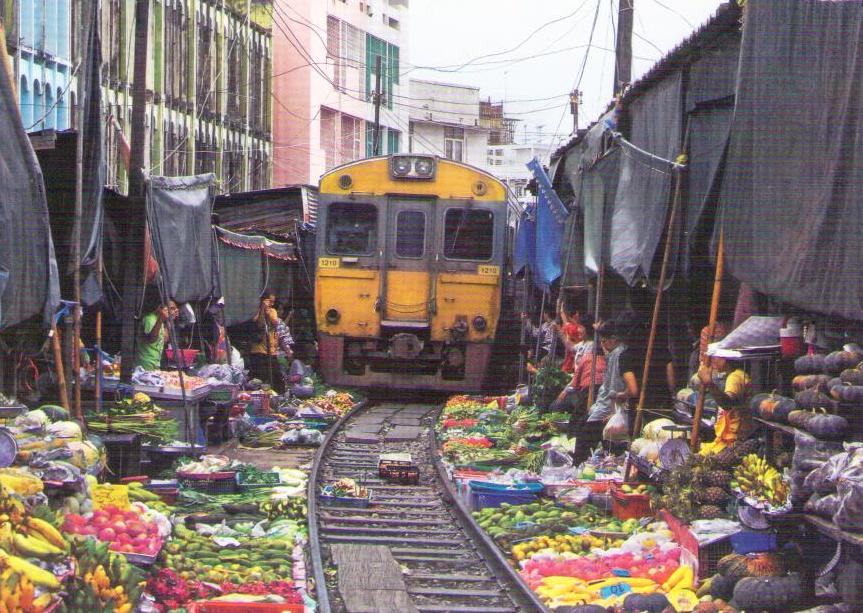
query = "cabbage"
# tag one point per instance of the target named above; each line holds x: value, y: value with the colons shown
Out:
x: 654, y: 430
x: 650, y: 451
x: 86, y: 456
x: 65, y: 429
x: 32, y: 420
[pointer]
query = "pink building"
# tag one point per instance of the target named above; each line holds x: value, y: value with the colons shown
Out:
x: 324, y: 57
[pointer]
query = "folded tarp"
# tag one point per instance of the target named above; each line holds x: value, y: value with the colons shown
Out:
x: 29, y: 283
x: 791, y: 204
x: 179, y: 211
x: 644, y: 186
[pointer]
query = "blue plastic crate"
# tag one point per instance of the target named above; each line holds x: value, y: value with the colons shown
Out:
x: 488, y: 486
x: 484, y: 499
x: 747, y: 541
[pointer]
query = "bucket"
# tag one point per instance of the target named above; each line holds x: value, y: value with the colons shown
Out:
x: 791, y: 340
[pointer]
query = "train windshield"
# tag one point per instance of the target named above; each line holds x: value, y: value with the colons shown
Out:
x: 410, y: 234
x: 352, y: 228
x: 468, y: 234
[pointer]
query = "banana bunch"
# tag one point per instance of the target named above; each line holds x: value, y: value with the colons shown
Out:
x: 683, y: 578
x: 18, y: 594
x: 561, y: 543
x: 11, y: 506
x: 755, y: 477
x: 20, y: 483
x: 106, y: 582
x: 35, y: 574
x: 33, y: 538
x: 571, y: 591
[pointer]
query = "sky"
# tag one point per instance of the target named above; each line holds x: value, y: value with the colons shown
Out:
x: 529, y: 54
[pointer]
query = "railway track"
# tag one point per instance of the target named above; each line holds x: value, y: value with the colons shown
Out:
x: 415, y: 549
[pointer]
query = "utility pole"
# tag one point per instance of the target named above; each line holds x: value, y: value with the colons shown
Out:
x: 574, y: 102
x: 623, y: 62
x: 376, y: 149
x: 133, y: 277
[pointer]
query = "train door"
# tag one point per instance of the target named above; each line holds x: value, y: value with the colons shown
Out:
x: 409, y: 253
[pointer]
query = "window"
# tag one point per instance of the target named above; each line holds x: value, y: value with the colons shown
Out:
x: 351, y: 139
x: 453, y: 140
x: 389, y: 55
x: 468, y: 234
x: 393, y: 140
x: 328, y: 136
x: 352, y: 228
x: 410, y: 234
x: 498, y: 152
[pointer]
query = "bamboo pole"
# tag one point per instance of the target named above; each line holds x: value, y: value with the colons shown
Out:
x: 711, y: 328
x: 600, y: 283
x: 660, y: 290
x: 58, y: 364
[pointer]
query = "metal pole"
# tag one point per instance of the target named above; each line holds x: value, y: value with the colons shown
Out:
x: 711, y: 328
x: 58, y: 363
x: 600, y: 282
x: 376, y: 147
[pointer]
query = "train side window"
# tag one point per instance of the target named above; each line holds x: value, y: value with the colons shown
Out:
x: 352, y: 228
x: 468, y: 234
x: 410, y: 234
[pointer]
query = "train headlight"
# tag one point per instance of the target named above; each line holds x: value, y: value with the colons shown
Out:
x: 401, y: 166
x: 412, y: 167
x: 424, y: 167
x: 479, y: 323
x: 333, y: 316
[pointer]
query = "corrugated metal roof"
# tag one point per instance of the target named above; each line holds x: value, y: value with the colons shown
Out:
x: 272, y: 212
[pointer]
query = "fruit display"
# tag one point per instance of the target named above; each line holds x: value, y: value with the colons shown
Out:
x: 125, y: 531
x: 105, y: 582
x: 333, y: 403
x: 697, y: 489
x: 563, y: 544
x: 759, y: 481
x: 345, y: 488
x: 198, y: 557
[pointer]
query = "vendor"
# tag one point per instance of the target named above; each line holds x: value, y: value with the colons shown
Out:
x: 573, y: 399
x: 154, y: 332
x: 728, y: 384
x: 588, y: 429
x: 263, y: 353
x: 572, y: 335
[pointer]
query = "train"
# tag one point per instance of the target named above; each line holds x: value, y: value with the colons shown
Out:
x: 412, y: 254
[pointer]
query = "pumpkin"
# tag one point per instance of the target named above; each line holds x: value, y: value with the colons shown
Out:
x: 832, y: 384
x: 825, y: 425
x: 723, y: 587
x: 849, y: 394
x: 755, y: 402
x: 806, y: 382
x: 813, y: 399
x: 854, y: 376
x: 771, y: 593
x: 652, y: 603
x: 773, y: 406
x: 582, y: 608
x: 799, y: 418
x: 809, y: 364
x: 783, y: 409
x: 838, y: 361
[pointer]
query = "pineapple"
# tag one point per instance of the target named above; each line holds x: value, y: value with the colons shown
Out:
x: 713, y: 496
x: 709, y: 511
x: 718, y: 478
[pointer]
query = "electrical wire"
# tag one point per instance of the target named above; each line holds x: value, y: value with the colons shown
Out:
x: 675, y: 11
x: 581, y: 72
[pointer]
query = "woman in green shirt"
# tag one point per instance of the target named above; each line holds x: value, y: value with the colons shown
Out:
x: 154, y: 333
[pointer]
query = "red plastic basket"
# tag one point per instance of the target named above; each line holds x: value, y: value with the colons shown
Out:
x: 629, y: 506
x: 243, y: 607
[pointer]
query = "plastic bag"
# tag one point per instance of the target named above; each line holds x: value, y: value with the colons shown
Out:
x: 617, y: 427
x: 822, y: 480
x: 849, y: 515
x: 823, y: 506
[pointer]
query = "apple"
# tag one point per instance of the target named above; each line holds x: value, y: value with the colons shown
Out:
x: 87, y: 531
x: 119, y: 526
x: 130, y: 516
x: 123, y: 538
x: 107, y: 534
x: 135, y: 527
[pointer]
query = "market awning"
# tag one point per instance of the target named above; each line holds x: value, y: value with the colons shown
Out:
x: 29, y: 282
x: 791, y: 193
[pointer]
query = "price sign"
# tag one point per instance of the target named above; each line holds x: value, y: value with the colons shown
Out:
x: 615, y: 590
x: 328, y: 263
x: 488, y: 271
x: 105, y: 495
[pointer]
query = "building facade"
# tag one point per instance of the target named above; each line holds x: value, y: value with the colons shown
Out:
x: 39, y: 39
x: 501, y: 128
x: 444, y: 121
x: 208, y: 89
x: 325, y: 54
x: 509, y: 164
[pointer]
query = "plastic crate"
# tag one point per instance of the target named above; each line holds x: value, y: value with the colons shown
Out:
x: 482, y: 499
x: 339, y: 501
x: 244, y: 607
x: 705, y: 557
x: 215, y: 483
x: 629, y: 506
x: 747, y: 541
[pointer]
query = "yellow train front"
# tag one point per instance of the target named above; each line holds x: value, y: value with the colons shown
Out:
x: 408, y: 282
